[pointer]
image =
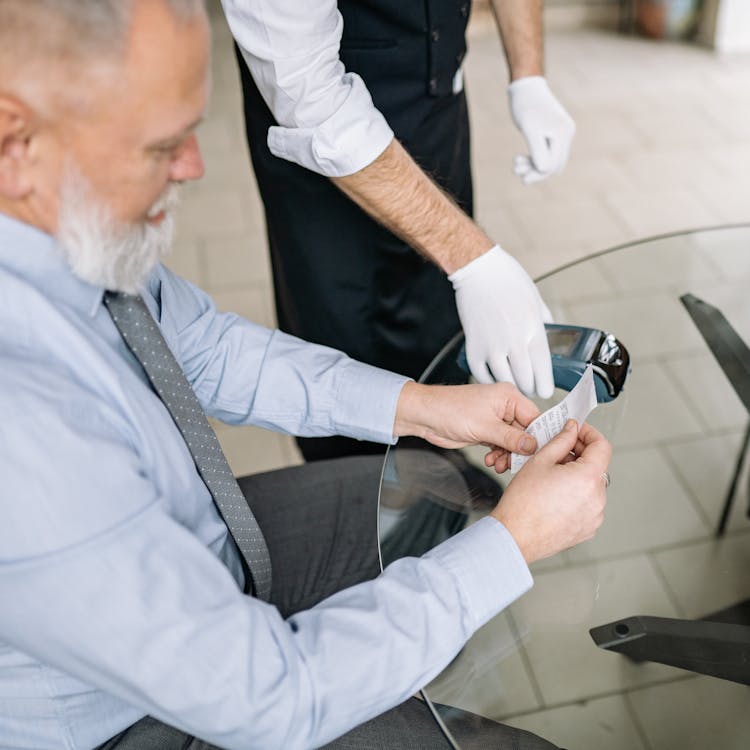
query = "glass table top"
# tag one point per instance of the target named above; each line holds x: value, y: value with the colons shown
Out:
x: 677, y: 430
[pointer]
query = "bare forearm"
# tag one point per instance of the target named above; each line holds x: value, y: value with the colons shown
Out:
x: 520, y: 25
x: 398, y: 194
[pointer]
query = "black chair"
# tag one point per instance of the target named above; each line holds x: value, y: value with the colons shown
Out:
x: 719, y: 643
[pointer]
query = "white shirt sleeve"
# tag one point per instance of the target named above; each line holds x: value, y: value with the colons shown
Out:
x: 327, y: 120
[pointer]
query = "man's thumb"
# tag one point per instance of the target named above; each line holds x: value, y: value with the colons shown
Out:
x: 560, y: 445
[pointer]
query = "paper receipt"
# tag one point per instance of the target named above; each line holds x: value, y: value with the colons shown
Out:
x: 578, y: 404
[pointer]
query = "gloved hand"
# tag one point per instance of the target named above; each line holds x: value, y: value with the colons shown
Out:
x: 546, y: 126
x: 503, y: 317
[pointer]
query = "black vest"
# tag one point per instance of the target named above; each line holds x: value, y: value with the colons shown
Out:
x: 404, y: 49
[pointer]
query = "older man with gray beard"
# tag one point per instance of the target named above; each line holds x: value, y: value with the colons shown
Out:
x: 147, y: 598
x: 111, y: 254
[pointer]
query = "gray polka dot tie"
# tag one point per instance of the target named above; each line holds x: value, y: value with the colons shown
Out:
x: 145, y: 340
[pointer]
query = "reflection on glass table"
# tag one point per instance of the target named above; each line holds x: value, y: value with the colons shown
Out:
x: 677, y: 430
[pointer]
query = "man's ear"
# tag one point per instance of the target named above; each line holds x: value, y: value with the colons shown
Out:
x: 16, y: 133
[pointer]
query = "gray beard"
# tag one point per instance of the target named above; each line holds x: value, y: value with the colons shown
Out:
x: 104, y: 252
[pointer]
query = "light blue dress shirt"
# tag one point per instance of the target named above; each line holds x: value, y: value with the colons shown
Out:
x: 120, y: 590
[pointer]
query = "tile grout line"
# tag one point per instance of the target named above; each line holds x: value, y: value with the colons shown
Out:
x: 597, y: 696
x: 636, y: 721
x: 535, y: 685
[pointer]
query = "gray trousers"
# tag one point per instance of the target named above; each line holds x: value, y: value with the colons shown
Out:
x: 319, y: 521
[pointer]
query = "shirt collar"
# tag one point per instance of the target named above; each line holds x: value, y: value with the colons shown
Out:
x: 36, y: 256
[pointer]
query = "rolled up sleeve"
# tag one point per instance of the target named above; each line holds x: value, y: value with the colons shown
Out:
x: 327, y: 120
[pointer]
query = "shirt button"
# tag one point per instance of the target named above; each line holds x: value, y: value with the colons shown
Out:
x: 433, y: 85
x: 435, y: 35
x: 464, y: 10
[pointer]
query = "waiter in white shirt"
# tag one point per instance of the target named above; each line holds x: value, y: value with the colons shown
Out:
x: 369, y: 93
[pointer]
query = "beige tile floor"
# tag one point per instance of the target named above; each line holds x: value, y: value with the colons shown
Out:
x: 663, y: 144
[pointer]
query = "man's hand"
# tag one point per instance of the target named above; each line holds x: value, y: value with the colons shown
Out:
x: 503, y: 317
x: 546, y: 126
x: 452, y: 416
x: 557, y: 500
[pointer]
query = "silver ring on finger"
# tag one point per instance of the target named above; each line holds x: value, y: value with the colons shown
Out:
x: 606, y: 478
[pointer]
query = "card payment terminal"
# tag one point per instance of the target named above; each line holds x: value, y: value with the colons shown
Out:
x: 573, y: 348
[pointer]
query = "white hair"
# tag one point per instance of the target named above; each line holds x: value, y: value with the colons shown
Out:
x: 38, y: 37
x: 92, y: 25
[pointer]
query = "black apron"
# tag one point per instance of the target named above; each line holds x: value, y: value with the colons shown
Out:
x: 340, y: 279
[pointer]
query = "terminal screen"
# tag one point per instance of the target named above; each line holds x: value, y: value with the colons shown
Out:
x: 563, y: 342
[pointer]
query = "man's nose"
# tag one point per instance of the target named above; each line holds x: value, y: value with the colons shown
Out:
x: 188, y: 163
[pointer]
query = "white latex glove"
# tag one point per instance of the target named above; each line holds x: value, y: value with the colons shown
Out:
x: 546, y: 126
x: 503, y: 317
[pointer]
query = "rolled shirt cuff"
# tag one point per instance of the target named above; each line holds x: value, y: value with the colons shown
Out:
x: 348, y: 141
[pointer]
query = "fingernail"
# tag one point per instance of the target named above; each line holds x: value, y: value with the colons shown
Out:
x: 570, y: 424
x: 527, y: 445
